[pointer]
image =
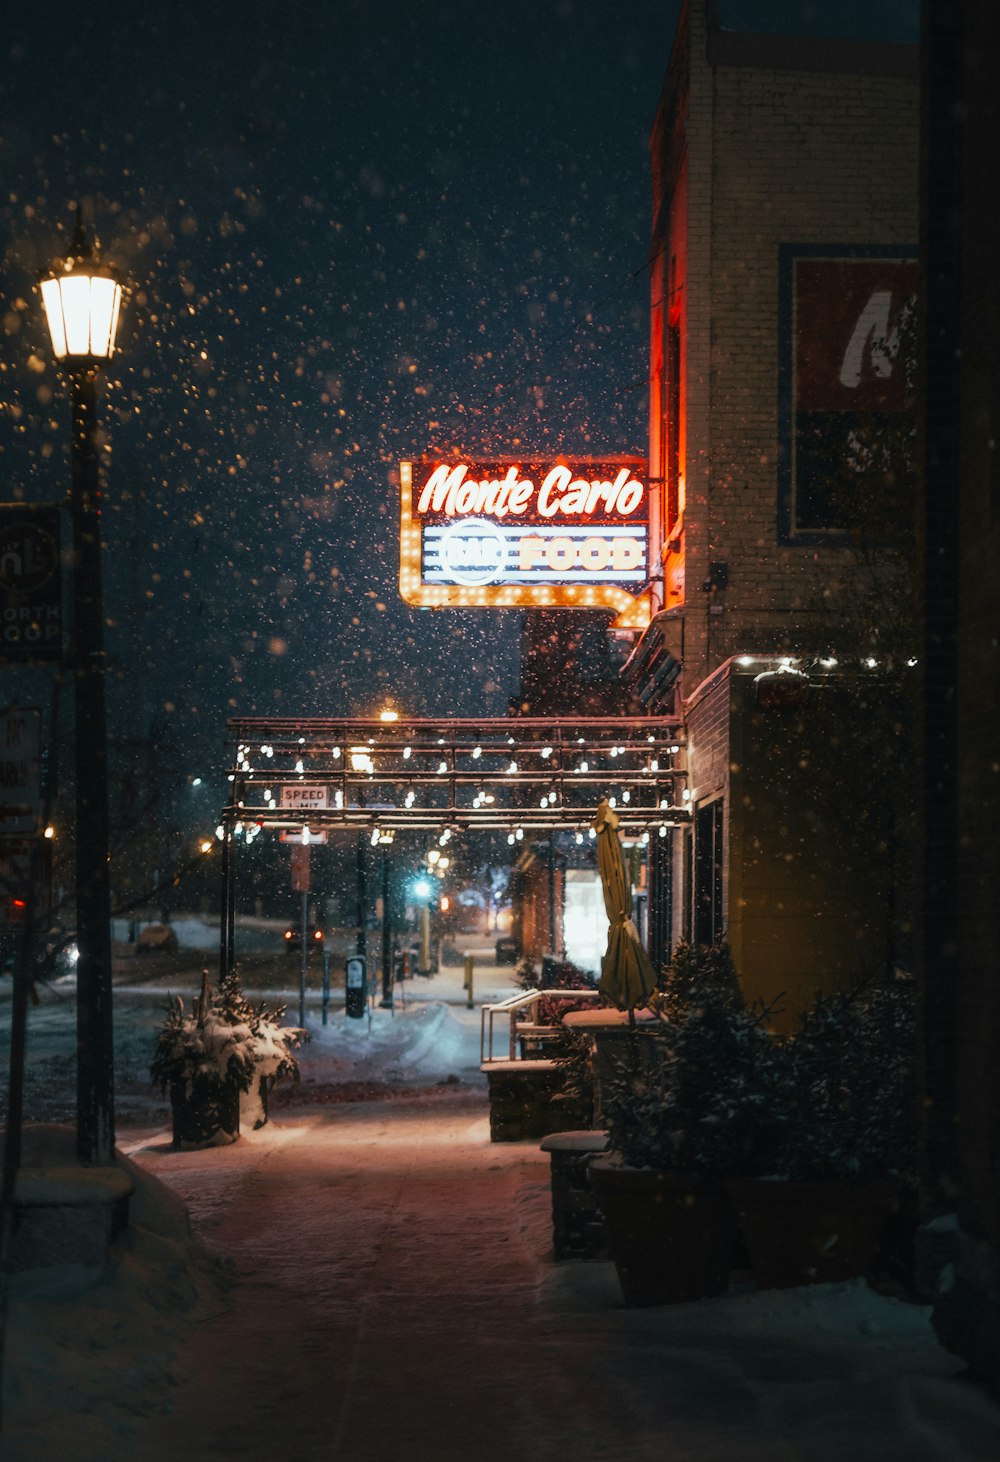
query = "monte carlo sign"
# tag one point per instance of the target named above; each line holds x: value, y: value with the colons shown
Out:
x: 562, y: 533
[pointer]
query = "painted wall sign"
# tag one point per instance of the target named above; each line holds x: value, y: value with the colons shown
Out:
x: 511, y: 533
x: 30, y: 584
x: 846, y: 342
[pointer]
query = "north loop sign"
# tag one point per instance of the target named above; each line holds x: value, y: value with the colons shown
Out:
x: 567, y: 533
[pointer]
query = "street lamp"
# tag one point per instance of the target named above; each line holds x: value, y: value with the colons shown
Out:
x: 82, y: 300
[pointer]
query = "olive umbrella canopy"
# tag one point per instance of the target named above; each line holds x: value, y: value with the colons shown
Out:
x: 627, y: 977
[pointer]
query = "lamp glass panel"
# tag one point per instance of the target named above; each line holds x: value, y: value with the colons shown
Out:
x: 52, y: 301
x: 104, y: 294
x: 114, y: 319
x: 75, y: 290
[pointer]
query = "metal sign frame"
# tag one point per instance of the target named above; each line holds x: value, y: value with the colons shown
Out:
x: 527, y: 774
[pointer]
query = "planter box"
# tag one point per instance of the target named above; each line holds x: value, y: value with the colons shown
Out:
x: 68, y: 1215
x: 208, y: 1116
x: 578, y: 1230
x: 527, y: 1101
x: 812, y: 1232
x: 673, y: 1235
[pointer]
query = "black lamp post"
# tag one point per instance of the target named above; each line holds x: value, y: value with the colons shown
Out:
x: 82, y: 299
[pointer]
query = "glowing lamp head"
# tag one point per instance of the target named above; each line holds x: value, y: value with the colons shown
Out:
x: 82, y: 299
x: 422, y: 888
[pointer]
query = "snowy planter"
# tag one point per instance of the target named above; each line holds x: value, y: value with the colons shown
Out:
x: 817, y: 1209
x: 680, y: 1121
x: 672, y: 1235
x: 205, y: 1111
x: 820, y: 1232
x: 273, y: 1047
x: 528, y: 1100
x: 226, y: 1050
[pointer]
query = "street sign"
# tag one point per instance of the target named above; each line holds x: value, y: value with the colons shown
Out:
x: 20, y: 770
x: 304, y: 799
x: 30, y: 584
x: 300, y: 867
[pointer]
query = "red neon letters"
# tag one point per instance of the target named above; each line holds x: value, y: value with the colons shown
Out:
x: 451, y: 492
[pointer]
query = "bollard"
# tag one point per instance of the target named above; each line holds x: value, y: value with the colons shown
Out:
x: 468, y: 980
x: 326, y: 986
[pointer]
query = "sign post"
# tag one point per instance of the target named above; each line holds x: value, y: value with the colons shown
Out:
x: 300, y: 884
x: 23, y: 880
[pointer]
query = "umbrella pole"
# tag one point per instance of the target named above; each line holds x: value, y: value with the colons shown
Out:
x: 633, y: 1039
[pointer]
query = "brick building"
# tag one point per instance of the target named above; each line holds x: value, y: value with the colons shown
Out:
x: 783, y: 271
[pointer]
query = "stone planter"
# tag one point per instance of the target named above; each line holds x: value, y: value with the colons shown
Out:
x: 820, y: 1232
x: 205, y: 1115
x: 578, y: 1230
x: 527, y: 1101
x: 672, y: 1235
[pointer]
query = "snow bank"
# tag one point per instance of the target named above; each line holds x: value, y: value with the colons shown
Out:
x: 106, y: 1339
x: 419, y: 1042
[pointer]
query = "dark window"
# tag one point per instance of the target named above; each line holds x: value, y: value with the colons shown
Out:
x: 708, y: 927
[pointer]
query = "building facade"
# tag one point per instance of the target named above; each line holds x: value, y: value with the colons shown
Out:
x: 783, y: 275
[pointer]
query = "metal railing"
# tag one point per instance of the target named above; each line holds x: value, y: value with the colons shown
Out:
x: 523, y: 1000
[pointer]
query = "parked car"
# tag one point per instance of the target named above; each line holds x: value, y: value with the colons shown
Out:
x: 293, y: 937
x: 156, y: 939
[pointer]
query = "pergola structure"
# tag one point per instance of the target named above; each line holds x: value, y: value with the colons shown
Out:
x: 524, y: 775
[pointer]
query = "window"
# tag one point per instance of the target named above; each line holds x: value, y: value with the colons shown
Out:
x: 708, y: 911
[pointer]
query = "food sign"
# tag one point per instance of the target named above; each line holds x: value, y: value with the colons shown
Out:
x: 526, y: 533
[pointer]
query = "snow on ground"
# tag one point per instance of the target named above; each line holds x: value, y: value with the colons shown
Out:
x: 374, y: 1282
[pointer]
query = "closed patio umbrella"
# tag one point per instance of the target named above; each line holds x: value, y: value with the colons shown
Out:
x: 627, y: 977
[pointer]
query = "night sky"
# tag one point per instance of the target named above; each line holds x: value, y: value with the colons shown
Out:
x: 353, y: 232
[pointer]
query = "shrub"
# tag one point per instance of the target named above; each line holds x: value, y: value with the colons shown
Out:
x: 710, y: 1097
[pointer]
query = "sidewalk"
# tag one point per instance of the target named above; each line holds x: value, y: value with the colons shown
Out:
x: 395, y: 1302
x: 393, y: 1299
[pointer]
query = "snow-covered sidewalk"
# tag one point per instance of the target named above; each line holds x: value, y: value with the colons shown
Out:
x: 382, y: 1290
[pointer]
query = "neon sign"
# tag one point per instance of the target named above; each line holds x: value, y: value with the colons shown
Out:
x: 513, y: 533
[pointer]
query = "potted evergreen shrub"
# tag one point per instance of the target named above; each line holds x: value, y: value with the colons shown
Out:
x: 274, y: 1046
x: 679, y: 1126
x: 209, y: 1058
x: 816, y: 1211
